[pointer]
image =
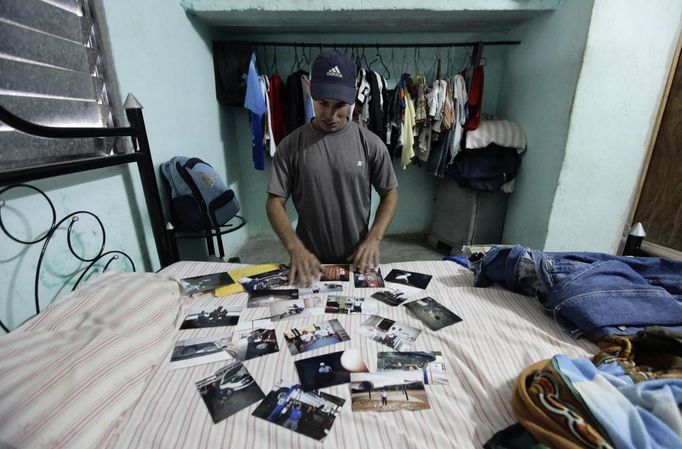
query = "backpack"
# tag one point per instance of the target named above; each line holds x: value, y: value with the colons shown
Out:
x: 198, y: 196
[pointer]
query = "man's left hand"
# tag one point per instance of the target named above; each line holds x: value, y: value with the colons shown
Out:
x: 366, y: 256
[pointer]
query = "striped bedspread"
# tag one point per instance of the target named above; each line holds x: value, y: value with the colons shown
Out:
x: 92, y: 372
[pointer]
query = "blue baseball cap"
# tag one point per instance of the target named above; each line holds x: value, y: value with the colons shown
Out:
x: 333, y: 76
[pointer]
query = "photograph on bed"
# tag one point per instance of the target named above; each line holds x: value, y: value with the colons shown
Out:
x: 268, y: 297
x: 310, y: 413
x: 351, y: 305
x: 229, y: 390
x: 329, y: 369
x: 315, y: 336
x: 396, y: 335
x: 253, y: 339
x: 432, y: 313
x: 409, y: 278
x: 212, y: 316
x: 266, y: 281
x: 204, y: 283
x: 285, y: 310
x: 388, y: 391
x: 335, y: 272
x: 430, y: 363
x: 395, y: 294
x: 198, y: 351
x: 370, y: 278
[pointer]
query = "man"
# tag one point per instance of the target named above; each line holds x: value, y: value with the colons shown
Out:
x: 328, y: 167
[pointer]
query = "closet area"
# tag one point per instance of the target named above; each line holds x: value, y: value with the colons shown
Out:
x: 452, y: 92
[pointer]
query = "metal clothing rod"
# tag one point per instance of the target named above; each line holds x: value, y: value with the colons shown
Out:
x: 346, y: 45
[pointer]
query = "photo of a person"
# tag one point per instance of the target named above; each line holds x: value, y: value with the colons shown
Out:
x: 295, y: 415
x: 388, y: 332
x: 384, y: 398
x: 315, y: 336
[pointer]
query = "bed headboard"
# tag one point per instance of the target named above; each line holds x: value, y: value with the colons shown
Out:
x: 16, y: 178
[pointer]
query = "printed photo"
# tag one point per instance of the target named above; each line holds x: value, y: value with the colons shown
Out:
x: 409, y: 278
x: 310, y: 413
x: 351, y: 305
x: 253, y: 339
x: 388, y: 391
x: 432, y: 313
x: 321, y: 287
x: 270, y: 296
x: 211, y: 316
x: 369, y: 279
x: 308, y: 306
x: 430, y: 363
x: 395, y: 294
x: 329, y: 369
x: 315, y: 336
x: 388, y: 332
x: 335, y: 272
x: 266, y: 281
x: 198, y: 351
x: 204, y: 283
x: 229, y: 390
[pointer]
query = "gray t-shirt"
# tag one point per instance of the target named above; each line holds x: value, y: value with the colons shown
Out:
x: 329, y: 178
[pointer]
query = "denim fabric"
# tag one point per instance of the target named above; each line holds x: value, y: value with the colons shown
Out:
x: 590, y: 293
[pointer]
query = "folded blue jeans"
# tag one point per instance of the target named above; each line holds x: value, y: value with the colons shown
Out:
x: 590, y: 293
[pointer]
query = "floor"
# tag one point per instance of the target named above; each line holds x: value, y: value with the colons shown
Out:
x: 396, y: 248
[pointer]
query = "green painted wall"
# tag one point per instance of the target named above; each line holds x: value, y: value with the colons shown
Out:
x: 538, y: 82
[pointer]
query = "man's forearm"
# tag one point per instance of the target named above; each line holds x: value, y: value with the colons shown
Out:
x: 279, y: 220
x: 387, y: 206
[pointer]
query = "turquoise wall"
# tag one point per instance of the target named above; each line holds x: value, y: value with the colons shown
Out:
x: 538, y: 82
x: 626, y: 64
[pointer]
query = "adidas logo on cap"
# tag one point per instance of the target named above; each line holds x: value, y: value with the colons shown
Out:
x: 334, y: 71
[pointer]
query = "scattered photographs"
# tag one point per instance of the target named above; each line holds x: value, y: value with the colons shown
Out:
x: 388, y: 332
x: 369, y: 279
x: 395, y: 294
x: 197, y: 351
x: 321, y: 287
x: 432, y: 313
x: 351, y: 305
x: 309, y: 413
x: 211, y: 316
x: 266, y: 281
x: 409, y: 278
x: 338, y: 272
x: 254, y: 339
x: 388, y: 391
x: 315, y: 336
x: 229, y: 390
x: 308, y: 306
x: 430, y: 363
x: 329, y: 369
x: 201, y: 284
x: 267, y: 297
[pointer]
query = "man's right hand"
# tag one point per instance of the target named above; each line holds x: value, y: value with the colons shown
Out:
x: 305, y: 267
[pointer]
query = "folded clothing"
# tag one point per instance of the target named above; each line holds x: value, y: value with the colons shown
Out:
x: 504, y: 133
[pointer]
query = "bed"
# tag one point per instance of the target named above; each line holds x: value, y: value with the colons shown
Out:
x: 92, y: 370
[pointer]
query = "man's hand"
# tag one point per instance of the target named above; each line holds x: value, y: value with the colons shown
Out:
x: 305, y: 267
x: 366, y: 256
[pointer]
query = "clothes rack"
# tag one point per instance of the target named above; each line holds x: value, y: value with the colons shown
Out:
x: 375, y: 45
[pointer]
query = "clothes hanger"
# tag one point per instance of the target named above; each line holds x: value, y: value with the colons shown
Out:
x: 274, y: 59
x: 378, y: 58
x: 265, y: 60
x: 296, y: 63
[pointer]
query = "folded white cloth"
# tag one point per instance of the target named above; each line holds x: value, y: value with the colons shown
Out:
x: 504, y: 133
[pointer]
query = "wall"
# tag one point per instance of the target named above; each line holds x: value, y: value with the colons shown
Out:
x: 538, y: 83
x: 626, y: 65
x: 416, y: 188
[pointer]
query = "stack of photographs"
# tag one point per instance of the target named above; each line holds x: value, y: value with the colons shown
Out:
x: 204, y: 283
x: 432, y: 313
x: 388, y: 332
x: 229, y: 390
x: 310, y: 413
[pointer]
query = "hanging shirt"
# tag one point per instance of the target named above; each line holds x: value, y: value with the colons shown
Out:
x: 294, y: 106
x: 475, y: 99
x: 268, y: 139
x: 408, y: 126
x: 255, y: 102
x: 459, y: 96
x: 276, y: 97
